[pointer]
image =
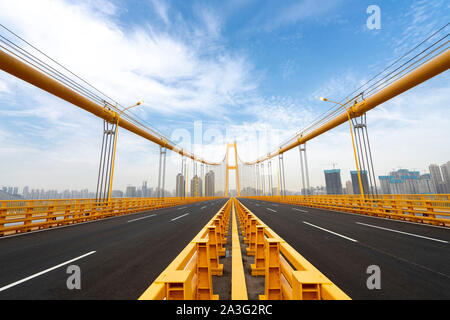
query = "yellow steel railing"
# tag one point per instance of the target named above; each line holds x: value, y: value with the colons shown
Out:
x: 17, y: 216
x: 429, y: 209
x: 288, y: 275
x: 189, y: 275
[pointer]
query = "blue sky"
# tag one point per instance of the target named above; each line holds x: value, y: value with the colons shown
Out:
x: 238, y: 66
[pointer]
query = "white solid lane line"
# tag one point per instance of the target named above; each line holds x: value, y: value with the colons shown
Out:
x: 141, y: 218
x: 409, y: 234
x: 45, y: 271
x: 337, y: 234
x: 203, y: 207
x: 300, y: 210
x: 271, y: 209
x: 181, y: 208
x: 179, y: 217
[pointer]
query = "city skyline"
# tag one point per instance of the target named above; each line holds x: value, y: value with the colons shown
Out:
x: 397, y: 181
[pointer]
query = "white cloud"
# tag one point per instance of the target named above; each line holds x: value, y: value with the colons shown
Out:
x: 161, y: 8
x: 3, y: 87
x: 170, y: 74
x: 300, y: 11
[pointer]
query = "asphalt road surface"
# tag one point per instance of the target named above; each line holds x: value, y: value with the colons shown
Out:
x: 413, y: 259
x: 118, y: 258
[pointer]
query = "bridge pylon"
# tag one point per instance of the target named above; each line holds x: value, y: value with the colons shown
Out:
x: 228, y: 168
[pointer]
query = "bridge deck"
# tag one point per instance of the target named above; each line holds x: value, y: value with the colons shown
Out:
x: 414, y: 264
x: 131, y: 251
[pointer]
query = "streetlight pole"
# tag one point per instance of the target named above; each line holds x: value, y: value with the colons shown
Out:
x: 115, y: 144
x: 353, y: 142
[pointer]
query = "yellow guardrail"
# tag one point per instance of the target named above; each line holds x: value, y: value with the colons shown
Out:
x: 288, y: 275
x: 429, y: 209
x: 189, y: 275
x: 17, y: 216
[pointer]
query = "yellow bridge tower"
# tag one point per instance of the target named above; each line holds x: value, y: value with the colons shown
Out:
x: 235, y: 167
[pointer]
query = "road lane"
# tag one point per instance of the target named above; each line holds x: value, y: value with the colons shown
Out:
x: 412, y: 268
x: 129, y: 256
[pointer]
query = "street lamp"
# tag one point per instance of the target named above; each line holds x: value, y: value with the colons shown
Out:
x: 353, y: 141
x: 115, y: 144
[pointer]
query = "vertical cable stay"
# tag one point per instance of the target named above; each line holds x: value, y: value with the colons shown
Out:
x: 162, y: 172
x: 365, y: 159
x: 105, y: 164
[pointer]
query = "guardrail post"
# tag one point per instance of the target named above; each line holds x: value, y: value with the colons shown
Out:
x: 28, y: 215
x: 252, y: 239
x: 272, y: 288
x: 67, y: 215
x: 216, y: 267
x: 248, y: 222
x: 3, y: 211
x: 430, y: 212
x: 204, y: 281
x: 220, y: 242
x: 307, y: 285
x: 178, y: 285
x: 223, y: 231
x: 259, y: 267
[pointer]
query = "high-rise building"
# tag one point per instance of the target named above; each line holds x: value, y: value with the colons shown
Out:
x: 436, y: 177
x: 116, y: 194
x: 349, y: 187
x: 196, y: 187
x: 385, y: 182
x: 26, y: 192
x: 180, y: 186
x: 404, y: 181
x: 426, y: 185
x: 333, y: 181
x: 145, y: 192
x: 210, y: 184
x: 445, y: 169
x: 355, y: 182
x: 131, y: 192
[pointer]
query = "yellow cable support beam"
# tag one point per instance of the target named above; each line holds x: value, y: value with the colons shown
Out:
x: 427, y: 71
x: 38, y: 79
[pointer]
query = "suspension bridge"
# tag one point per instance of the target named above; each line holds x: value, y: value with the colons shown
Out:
x: 261, y: 244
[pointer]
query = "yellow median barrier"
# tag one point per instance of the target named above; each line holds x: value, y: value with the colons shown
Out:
x: 238, y: 285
